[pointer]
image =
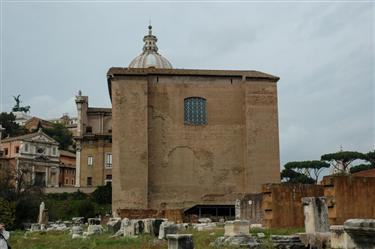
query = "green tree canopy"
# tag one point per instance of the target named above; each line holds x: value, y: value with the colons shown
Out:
x: 342, y: 160
x: 370, y: 157
x: 291, y: 176
x: 311, y: 169
x: 12, y: 129
x: 361, y: 167
x: 61, y: 134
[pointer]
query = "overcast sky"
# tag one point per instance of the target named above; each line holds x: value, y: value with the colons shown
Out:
x: 322, y: 52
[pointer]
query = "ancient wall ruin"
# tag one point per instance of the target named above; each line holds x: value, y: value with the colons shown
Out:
x: 282, y: 205
x: 349, y: 197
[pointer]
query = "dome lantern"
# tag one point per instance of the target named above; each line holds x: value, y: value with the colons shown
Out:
x: 150, y: 58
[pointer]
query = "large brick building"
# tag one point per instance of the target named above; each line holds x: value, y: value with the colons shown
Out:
x: 187, y: 138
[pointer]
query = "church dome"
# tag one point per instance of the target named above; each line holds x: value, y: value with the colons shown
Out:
x: 150, y: 58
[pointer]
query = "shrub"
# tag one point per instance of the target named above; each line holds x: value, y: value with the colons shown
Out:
x: 79, y: 195
x: 86, y: 209
x: 27, y: 210
x: 103, y: 194
x: 7, y: 213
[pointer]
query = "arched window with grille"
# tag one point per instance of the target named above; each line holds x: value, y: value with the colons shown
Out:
x: 195, y: 111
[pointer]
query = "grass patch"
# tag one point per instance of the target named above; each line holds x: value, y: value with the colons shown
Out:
x: 62, y: 240
x: 277, y: 231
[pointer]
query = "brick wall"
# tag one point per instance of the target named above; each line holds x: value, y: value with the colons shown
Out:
x: 349, y: 197
x: 282, y: 206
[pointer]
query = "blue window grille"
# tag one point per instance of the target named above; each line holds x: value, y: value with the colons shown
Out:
x: 195, y: 111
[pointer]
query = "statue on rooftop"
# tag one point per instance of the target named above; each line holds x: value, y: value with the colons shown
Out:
x: 17, y: 107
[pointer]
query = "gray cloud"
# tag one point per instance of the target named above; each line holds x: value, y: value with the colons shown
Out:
x: 323, y: 52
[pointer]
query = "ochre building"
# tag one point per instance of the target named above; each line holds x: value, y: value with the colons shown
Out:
x: 93, y: 139
x: 189, y: 138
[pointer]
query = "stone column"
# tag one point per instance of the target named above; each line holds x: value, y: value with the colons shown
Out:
x: 33, y: 175
x: 46, y: 177
x: 57, y: 177
x: 78, y: 165
x: 238, y: 209
x: 316, y: 214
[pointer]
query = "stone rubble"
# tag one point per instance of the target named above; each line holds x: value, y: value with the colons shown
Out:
x: 204, y: 220
x: 113, y: 225
x: 256, y: 226
x: 261, y: 235
x: 340, y: 239
x: 77, y: 232
x: 361, y: 233
x: 205, y: 226
x: 236, y: 234
x: 94, y: 230
x: 166, y: 228
x: 78, y: 220
x: 243, y: 241
x: 236, y: 227
x: 180, y: 241
x: 287, y: 242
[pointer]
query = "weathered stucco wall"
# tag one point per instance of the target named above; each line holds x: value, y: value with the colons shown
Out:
x: 251, y: 208
x: 204, y: 163
x: 161, y: 163
x: 349, y: 197
x: 130, y: 143
x: 97, y: 148
x: 282, y: 205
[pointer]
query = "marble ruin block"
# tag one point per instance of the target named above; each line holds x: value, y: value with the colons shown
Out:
x: 205, y: 226
x: 114, y: 224
x: 156, y: 226
x: 149, y: 226
x: 287, y: 241
x: 238, y: 241
x: 35, y: 227
x: 167, y: 228
x: 43, y: 214
x: 180, y: 241
x: 361, y: 232
x: 237, y: 227
x: 77, y: 230
x: 93, y: 221
x: 128, y: 226
x: 94, y: 229
x: 78, y: 220
x: 316, y: 214
x: 204, y: 220
x: 139, y: 227
x: 340, y: 239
